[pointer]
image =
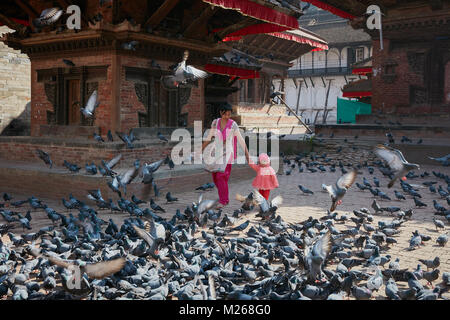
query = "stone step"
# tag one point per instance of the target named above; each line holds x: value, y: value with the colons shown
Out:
x: 279, y: 129
x: 258, y: 108
x: 264, y: 119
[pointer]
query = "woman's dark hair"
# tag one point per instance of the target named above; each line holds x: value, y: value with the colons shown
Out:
x: 225, y: 107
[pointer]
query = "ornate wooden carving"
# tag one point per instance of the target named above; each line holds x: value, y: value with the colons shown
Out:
x: 416, y: 61
x: 418, y: 95
x: 50, y: 92
x: 141, y: 90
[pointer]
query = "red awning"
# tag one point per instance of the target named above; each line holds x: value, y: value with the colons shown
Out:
x: 357, y: 94
x: 362, y: 71
x: 299, y: 39
x: 253, y: 29
x: 232, y: 71
x: 23, y: 22
x: 258, y: 11
x: 331, y: 9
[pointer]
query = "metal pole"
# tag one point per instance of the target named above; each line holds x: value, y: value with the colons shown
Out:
x: 301, y: 121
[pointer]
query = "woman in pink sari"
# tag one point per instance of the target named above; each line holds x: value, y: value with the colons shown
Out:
x: 227, y: 130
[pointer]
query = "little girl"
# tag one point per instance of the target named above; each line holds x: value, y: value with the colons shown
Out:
x: 266, y: 178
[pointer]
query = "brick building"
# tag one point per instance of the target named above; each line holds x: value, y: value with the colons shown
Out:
x: 411, y: 77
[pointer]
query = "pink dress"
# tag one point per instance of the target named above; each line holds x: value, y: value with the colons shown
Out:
x: 266, y: 177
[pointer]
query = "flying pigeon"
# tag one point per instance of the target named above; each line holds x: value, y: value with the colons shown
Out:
x: 396, y: 161
x: 183, y: 73
x: 338, y: 190
x: 45, y: 157
x: 48, y: 17
x: 91, y: 105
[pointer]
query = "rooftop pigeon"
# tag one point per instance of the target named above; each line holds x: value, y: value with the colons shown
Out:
x: 396, y: 161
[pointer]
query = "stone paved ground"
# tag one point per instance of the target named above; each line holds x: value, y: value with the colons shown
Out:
x: 298, y: 207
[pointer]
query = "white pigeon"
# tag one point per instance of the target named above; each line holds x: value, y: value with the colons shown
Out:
x: 91, y: 105
x: 183, y: 73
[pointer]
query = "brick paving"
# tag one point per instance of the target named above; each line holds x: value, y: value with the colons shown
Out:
x: 298, y: 207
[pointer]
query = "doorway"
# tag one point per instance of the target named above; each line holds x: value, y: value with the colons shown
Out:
x: 73, y: 103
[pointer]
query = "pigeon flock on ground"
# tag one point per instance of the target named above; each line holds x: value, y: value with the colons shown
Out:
x: 201, y: 253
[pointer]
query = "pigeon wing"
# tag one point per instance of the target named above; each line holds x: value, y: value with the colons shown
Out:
x: 129, y: 175
x: 323, y: 246
x: 195, y: 73
x: 114, y: 161
x: 390, y: 156
x: 260, y: 200
x: 92, y: 102
x: 144, y: 235
x: 104, y: 269
x: 59, y: 262
x: 277, y: 201
x: 347, y: 180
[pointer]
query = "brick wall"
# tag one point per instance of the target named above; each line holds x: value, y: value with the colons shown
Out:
x: 81, y: 152
x: 40, y: 103
x: 395, y: 97
x: 195, y: 107
x: 447, y: 83
x: 15, y: 90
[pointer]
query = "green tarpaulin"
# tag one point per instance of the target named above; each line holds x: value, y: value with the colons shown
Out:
x: 347, y: 110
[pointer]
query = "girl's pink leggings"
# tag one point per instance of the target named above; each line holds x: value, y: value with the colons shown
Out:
x: 221, y: 181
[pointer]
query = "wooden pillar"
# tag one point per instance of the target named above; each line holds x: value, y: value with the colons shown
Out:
x: 115, y: 94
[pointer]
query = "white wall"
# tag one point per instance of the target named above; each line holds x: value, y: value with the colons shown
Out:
x: 314, y: 97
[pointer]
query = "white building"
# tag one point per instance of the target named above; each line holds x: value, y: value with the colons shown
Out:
x: 316, y: 79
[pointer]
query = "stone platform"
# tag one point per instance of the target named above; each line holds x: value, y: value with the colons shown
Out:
x: 80, y: 151
x: 38, y: 180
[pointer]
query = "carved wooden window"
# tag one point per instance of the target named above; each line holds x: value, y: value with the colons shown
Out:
x: 57, y: 89
x: 162, y: 106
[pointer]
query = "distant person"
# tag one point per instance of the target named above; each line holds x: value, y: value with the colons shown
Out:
x: 266, y: 177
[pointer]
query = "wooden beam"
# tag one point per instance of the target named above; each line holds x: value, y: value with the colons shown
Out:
x: 161, y: 13
x: 235, y: 27
x: 12, y: 24
x: 29, y: 10
x: 202, y: 20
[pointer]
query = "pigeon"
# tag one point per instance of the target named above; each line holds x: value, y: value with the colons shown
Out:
x: 205, y: 186
x: 375, y: 282
x: 161, y: 137
x: 399, y: 196
x: 431, y: 276
x: 419, y: 203
x: 127, y: 139
x: 98, y: 137
x: 110, y: 136
x: 317, y: 255
x: 170, y: 198
x: 183, y: 73
x: 431, y: 263
x: 338, y: 190
x: 91, y: 105
x: 305, y: 190
x: 266, y: 208
x: 68, y: 62
x: 203, y: 205
x: 442, y: 240
x: 391, y: 290
x: 130, y: 45
x: 45, y: 157
x: 376, y: 206
x: 155, y: 206
x: 396, y: 161
x: 438, y: 223
x: 48, y: 17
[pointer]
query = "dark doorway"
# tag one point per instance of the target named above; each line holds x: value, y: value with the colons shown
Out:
x: 73, y: 103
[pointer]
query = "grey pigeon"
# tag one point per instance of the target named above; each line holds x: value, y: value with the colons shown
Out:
x: 396, y: 161
x: 316, y: 256
x: 338, y: 190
